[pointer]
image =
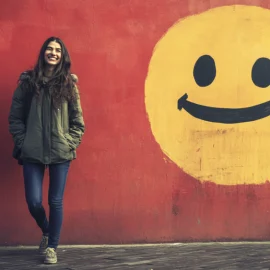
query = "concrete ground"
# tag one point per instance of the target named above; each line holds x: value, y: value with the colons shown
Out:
x: 144, y: 257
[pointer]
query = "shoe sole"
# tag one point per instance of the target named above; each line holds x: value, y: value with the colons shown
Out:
x: 50, y: 262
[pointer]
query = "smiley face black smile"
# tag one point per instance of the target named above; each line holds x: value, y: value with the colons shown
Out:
x: 222, y: 115
x: 205, y: 73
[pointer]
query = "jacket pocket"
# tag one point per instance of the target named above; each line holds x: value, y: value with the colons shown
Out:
x: 70, y: 142
x: 17, y: 150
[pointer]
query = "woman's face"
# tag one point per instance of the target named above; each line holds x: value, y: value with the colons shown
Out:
x: 53, y: 53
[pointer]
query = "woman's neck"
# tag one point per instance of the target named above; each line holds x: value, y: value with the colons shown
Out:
x: 48, y: 72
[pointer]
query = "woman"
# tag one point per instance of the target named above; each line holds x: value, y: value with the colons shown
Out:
x: 47, y: 126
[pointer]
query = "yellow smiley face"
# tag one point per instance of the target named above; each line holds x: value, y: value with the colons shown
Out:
x: 207, y: 95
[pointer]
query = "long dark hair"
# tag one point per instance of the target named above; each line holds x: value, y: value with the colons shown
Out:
x: 61, y: 84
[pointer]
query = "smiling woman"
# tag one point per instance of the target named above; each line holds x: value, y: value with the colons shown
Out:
x: 47, y: 126
x: 207, y: 95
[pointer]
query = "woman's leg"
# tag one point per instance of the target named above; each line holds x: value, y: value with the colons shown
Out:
x: 33, y: 178
x: 58, y: 177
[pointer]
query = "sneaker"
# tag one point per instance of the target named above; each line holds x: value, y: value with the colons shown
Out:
x: 43, y: 244
x: 51, y: 256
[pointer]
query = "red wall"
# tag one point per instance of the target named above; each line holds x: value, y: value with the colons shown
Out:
x: 122, y: 188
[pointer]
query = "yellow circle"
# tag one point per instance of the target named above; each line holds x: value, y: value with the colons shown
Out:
x: 224, y: 153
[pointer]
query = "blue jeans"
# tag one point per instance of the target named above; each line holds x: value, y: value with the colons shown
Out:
x: 33, y: 180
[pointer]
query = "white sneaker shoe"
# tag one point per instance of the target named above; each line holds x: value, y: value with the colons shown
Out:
x: 51, y: 256
x: 43, y: 244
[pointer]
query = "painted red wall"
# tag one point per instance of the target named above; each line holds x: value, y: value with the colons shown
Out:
x: 122, y: 188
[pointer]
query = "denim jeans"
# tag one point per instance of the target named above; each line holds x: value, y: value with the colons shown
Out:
x: 33, y: 180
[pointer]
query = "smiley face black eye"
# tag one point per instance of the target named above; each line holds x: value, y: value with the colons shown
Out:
x: 261, y: 72
x: 204, y: 70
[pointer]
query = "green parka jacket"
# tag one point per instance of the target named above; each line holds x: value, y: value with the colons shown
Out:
x: 41, y: 133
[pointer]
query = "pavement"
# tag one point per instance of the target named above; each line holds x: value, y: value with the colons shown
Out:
x: 144, y: 257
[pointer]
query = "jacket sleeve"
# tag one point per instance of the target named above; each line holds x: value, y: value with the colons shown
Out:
x: 16, y: 118
x: 76, y: 121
